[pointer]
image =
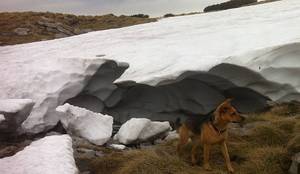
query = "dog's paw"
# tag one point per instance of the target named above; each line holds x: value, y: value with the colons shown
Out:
x: 207, y: 167
x: 230, y: 170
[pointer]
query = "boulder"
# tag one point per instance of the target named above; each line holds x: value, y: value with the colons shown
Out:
x: 94, y: 127
x: 52, y: 154
x: 140, y: 130
x: 12, y: 114
x: 295, y: 166
x: 22, y: 31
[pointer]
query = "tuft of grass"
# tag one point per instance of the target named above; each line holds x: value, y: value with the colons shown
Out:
x: 147, y: 161
x: 267, y: 135
x: 266, y: 160
x: 293, y: 145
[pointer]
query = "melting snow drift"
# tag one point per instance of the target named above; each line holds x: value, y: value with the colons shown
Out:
x: 250, y: 53
x: 52, y: 154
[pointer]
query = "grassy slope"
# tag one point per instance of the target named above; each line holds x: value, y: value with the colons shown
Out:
x: 267, y: 150
x: 11, y: 21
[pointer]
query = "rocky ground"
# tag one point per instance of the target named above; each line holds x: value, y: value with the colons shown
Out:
x: 265, y: 143
x: 26, y: 27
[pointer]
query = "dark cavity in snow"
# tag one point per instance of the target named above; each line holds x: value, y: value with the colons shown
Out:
x: 191, y: 92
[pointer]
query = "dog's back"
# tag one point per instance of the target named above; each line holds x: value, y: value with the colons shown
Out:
x: 194, y: 122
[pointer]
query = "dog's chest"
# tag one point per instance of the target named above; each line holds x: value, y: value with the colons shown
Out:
x: 210, y: 136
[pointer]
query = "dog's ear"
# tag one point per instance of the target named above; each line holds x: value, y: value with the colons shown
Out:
x: 225, y: 106
x: 228, y: 100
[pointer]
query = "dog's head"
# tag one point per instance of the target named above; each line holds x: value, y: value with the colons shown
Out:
x: 227, y: 113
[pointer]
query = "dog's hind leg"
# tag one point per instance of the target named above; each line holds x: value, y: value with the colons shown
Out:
x: 183, y: 138
x: 196, y: 144
x: 206, y: 153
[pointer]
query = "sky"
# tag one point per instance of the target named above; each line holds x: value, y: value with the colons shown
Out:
x: 99, y: 7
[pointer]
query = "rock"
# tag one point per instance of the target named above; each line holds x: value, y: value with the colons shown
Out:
x: 52, y: 154
x: 52, y: 30
x: 82, y: 31
x: 22, y: 31
x: 13, y: 112
x: 85, y: 153
x: 130, y: 131
x: 94, y: 127
x: 295, y: 166
x: 65, y: 29
x: 60, y: 35
x: 117, y: 146
x: 56, y: 26
x: 141, y: 130
x: 46, y: 23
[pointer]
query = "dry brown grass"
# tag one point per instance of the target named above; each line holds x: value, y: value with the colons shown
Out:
x: 267, y: 151
x: 12, y: 20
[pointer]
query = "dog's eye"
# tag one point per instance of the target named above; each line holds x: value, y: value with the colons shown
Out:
x: 233, y: 113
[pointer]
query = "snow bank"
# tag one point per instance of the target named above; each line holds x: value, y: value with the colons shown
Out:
x: 94, y: 127
x: 140, y: 129
x: 260, y: 39
x: 49, y: 155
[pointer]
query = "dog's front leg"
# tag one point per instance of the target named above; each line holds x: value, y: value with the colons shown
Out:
x: 206, y: 151
x: 226, y: 157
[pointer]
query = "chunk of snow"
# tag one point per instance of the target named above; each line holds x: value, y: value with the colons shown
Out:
x: 94, y: 127
x: 140, y: 129
x: 14, y: 105
x: 49, y: 155
x: 155, y: 128
x: 172, y: 135
x: 117, y: 146
x: 2, y: 118
x: 130, y: 131
x: 15, y: 112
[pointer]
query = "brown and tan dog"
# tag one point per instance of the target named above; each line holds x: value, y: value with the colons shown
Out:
x: 207, y: 131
